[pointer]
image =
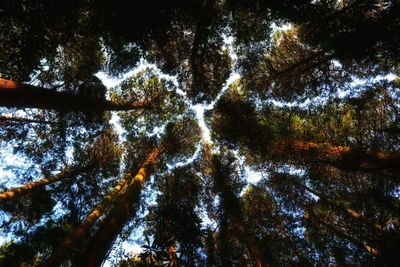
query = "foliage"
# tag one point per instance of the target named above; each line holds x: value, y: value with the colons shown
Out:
x: 302, y: 168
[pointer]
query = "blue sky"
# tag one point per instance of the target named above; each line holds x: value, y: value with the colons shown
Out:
x: 7, y: 158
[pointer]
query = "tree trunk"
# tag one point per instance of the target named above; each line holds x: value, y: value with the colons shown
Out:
x: 342, y: 157
x: 172, y: 256
x: 6, y: 119
x: 20, y: 95
x: 224, y: 242
x: 349, y: 211
x: 59, y: 256
x: 28, y: 188
x: 124, y: 208
x: 367, y: 248
x: 312, y: 61
x: 232, y: 207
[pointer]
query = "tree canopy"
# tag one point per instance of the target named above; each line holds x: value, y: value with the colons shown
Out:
x: 199, y: 133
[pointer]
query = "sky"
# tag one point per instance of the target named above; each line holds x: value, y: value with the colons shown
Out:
x: 198, y: 109
x: 7, y: 158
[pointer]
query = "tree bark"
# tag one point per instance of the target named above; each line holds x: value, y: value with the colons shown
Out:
x: 342, y: 157
x: 6, y: 119
x: 349, y: 211
x: 330, y: 225
x: 28, y: 188
x: 59, y: 256
x: 314, y: 60
x: 19, y: 95
x: 231, y: 205
x: 367, y: 248
x: 172, y: 256
x: 97, y: 248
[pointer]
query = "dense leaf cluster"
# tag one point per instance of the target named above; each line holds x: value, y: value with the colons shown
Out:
x: 303, y: 163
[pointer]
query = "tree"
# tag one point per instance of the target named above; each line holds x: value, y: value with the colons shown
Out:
x: 173, y: 221
x: 27, y: 188
x: 303, y: 161
x: 19, y: 95
x: 221, y: 169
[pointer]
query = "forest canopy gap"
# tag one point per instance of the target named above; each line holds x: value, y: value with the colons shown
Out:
x: 304, y: 94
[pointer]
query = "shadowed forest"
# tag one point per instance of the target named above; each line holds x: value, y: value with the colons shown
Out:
x: 199, y: 133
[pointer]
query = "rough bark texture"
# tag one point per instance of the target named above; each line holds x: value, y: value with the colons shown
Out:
x: 96, y: 250
x: 172, y: 256
x: 342, y: 157
x: 9, y: 120
x: 349, y: 211
x: 231, y: 205
x: 59, y: 256
x: 19, y: 95
x: 28, y: 188
x: 367, y: 248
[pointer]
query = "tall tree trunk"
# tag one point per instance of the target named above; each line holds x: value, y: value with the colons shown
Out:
x: 342, y: 157
x: 28, y: 188
x: 210, y: 248
x: 313, y: 60
x: 19, y: 95
x: 367, y: 248
x: 124, y: 208
x: 232, y: 207
x: 172, y: 256
x: 382, y: 29
x: 59, y: 256
x: 331, y: 226
x: 8, y: 119
x: 349, y: 211
x: 334, y: 204
x: 224, y: 242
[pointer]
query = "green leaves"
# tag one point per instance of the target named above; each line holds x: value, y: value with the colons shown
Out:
x: 314, y: 113
x: 159, y: 94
